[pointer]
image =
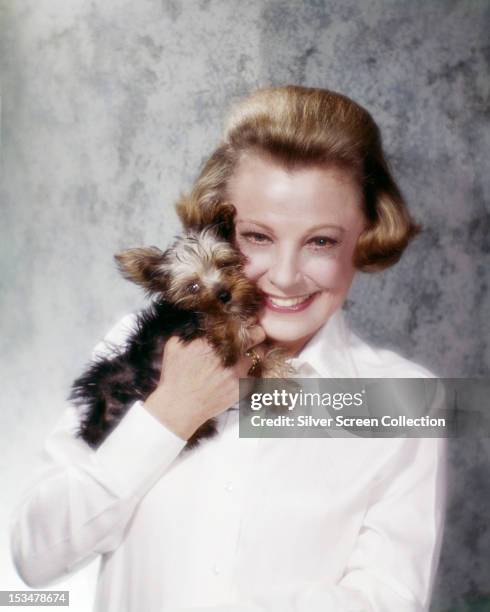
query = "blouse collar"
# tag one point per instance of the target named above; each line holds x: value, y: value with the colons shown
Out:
x: 329, y: 353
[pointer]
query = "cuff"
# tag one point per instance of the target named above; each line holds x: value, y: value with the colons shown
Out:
x: 137, y: 452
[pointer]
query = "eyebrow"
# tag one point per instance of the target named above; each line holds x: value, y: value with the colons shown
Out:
x: 310, y: 230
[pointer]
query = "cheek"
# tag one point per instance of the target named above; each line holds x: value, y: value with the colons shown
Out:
x: 258, y: 263
x: 330, y: 273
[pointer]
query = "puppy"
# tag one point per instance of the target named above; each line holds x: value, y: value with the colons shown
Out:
x: 198, y: 290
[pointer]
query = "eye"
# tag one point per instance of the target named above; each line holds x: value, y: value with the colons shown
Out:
x: 255, y: 237
x: 193, y: 287
x: 322, y: 242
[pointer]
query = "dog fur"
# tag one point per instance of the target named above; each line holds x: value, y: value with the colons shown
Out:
x: 198, y: 290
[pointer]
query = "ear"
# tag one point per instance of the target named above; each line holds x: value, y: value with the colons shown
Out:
x: 143, y: 266
x: 197, y: 216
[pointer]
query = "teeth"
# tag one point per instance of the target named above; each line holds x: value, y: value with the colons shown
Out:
x: 287, y: 302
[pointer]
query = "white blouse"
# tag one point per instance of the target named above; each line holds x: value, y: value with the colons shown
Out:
x: 242, y: 524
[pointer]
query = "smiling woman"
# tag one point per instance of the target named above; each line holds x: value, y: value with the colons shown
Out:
x: 299, y: 230
x: 313, y: 201
x: 301, y: 187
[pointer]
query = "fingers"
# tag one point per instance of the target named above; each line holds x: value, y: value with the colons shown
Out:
x: 177, y: 354
x: 198, y: 346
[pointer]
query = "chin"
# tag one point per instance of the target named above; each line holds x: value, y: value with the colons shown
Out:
x: 286, y: 332
x: 287, y: 328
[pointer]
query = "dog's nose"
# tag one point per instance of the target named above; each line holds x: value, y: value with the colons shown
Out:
x: 224, y: 295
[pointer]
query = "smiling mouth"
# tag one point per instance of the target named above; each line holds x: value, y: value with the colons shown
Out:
x: 290, y: 304
x: 289, y: 301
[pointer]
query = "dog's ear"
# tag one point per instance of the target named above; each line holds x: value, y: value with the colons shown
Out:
x: 197, y: 216
x: 223, y: 215
x: 144, y: 266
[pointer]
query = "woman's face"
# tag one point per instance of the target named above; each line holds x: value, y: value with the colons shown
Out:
x: 298, y: 230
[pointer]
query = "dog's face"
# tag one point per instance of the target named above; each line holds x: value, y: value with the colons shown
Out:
x: 198, y: 272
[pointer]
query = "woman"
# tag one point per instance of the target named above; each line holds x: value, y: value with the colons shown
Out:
x: 259, y: 525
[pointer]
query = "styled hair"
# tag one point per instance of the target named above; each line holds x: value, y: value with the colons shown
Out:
x: 300, y: 127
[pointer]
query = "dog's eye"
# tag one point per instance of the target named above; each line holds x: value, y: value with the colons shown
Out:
x: 193, y: 287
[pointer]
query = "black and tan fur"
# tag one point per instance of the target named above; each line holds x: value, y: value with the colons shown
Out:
x: 198, y: 290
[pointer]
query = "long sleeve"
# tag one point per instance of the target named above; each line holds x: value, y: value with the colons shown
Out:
x: 82, y: 500
x: 394, y: 561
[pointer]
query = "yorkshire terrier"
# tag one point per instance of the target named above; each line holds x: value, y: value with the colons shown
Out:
x: 198, y: 289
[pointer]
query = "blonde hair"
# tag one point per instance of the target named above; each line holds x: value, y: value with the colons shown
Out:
x: 298, y: 127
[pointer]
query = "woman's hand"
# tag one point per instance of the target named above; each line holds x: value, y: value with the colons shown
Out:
x: 194, y: 386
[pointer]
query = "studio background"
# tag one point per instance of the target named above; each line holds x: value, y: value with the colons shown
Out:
x: 108, y: 110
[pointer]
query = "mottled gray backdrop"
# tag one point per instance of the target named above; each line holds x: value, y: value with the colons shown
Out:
x: 108, y: 109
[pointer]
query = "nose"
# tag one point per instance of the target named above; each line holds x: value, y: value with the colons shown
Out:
x: 284, y: 270
x: 223, y: 295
